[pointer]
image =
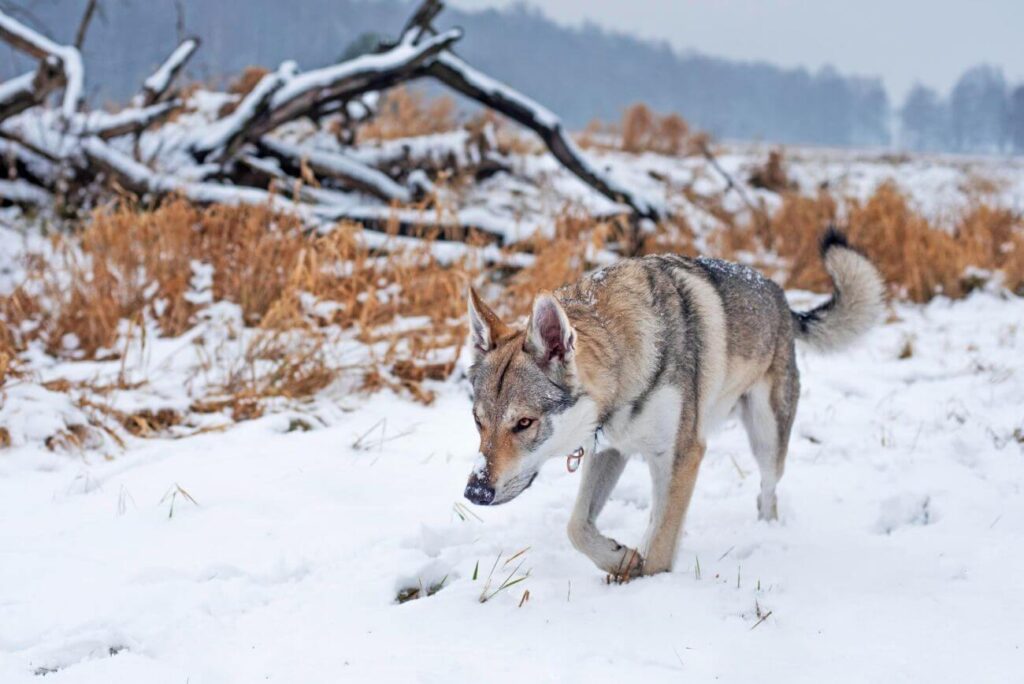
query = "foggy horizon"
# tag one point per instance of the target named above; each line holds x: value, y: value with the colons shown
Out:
x: 899, y: 49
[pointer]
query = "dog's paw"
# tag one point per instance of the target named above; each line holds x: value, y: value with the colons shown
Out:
x: 629, y: 567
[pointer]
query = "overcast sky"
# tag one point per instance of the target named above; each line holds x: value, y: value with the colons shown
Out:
x: 902, y: 41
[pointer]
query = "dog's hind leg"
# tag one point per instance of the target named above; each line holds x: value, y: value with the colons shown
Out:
x: 600, y: 473
x: 767, y: 410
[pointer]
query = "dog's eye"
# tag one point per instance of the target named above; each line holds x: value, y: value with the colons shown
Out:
x: 523, y: 424
x: 479, y: 425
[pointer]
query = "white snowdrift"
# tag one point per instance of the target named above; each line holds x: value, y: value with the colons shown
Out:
x: 897, y: 557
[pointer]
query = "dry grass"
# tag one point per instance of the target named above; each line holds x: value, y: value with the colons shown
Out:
x: 299, y: 294
x: 772, y: 175
x: 646, y: 131
x: 132, y: 266
x: 643, y: 130
x: 920, y: 258
x: 405, y: 112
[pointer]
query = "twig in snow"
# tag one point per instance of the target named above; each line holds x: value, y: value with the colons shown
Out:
x: 763, y: 618
x: 172, y: 494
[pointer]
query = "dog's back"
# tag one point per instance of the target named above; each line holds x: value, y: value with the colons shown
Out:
x: 652, y: 352
x: 707, y: 327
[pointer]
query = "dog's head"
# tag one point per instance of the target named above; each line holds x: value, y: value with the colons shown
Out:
x: 527, y: 400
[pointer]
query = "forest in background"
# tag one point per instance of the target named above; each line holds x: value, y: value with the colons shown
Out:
x: 584, y: 73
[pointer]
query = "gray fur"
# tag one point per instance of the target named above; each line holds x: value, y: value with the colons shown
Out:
x: 668, y: 346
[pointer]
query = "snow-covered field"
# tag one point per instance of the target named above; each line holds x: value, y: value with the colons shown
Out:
x: 267, y: 553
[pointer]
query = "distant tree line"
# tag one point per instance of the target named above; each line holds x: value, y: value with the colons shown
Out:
x: 982, y: 113
x: 582, y: 73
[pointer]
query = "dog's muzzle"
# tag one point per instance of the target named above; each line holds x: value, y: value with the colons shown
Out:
x: 479, y: 492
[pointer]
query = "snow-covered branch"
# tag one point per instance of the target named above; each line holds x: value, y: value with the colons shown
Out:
x: 132, y: 120
x: 210, y: 155
x: 309, y: 91
x: 39, y: 46
x: 336, y: 165
x: 159, y: 83
x: 460, y: 76
x: 29, y: 90
x: 226, y: 135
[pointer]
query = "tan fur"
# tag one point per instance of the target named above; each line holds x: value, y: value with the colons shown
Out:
x: 652, y: 353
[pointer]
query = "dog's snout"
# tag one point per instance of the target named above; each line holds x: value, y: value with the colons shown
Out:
x: 479, y: 492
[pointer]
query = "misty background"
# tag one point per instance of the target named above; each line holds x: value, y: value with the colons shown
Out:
x: 581, y: 70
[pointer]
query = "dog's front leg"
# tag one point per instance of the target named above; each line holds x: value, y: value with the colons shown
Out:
x: 673, y: 476
x: 600, y: 473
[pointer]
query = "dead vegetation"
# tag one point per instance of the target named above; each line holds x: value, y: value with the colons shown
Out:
x: 156, y: 265
x: 405, y: 112
x: 772, y: 175
x: 919, y: 257
x: 644, y: 130
x: 97, y: 293
x: 129, y: 270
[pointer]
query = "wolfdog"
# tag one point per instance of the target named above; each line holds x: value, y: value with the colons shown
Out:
x: 651, y: 354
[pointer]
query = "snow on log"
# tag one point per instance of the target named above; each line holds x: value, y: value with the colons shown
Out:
x: 460, y: 76
x: 270, y: 173
x: 20, y: 161
x: 336, y: 165
x: 443, y: 226
x: 141, y: 180
x: 28, y: 90
x: 22, y: 192
x: 284, y: 96
x: 35, y: 44
x: 132, y: 120
x: 224, y: 136
x: 310, y: 90
x: 156, y: 86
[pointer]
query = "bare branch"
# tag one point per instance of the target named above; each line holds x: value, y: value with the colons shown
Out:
x: 83, y: 25
x: 456, y: 74
x: 284, y: 95
x: 421, y: 20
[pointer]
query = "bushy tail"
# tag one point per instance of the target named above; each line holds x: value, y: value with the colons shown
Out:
x: 856, y: 303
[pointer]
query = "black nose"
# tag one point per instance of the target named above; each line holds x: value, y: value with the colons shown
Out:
x: 479, y: 492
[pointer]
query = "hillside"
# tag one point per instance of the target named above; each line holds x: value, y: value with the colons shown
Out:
x: 581, y: 73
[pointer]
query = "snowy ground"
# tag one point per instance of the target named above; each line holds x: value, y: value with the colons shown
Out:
x: 898, y: 556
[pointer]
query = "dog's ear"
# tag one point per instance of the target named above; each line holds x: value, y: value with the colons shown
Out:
x: 485, y: 328
x: 550, y: 338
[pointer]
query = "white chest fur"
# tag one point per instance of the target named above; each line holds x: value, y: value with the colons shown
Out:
x: 652, y: 431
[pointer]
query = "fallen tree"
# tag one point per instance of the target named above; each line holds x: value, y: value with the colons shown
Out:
x: 237, y: 154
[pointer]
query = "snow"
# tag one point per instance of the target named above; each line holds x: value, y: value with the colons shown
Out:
x: 17, y: 86
x: 21, y: 192
x: 130, y: 119
x: 340, y: 165
x: 218, y: 133
x: 269, y: 552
